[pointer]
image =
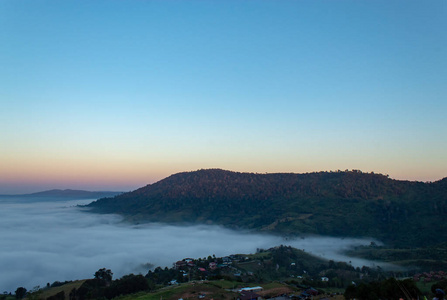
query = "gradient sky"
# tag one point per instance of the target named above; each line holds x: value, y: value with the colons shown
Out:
x: 114, y: 94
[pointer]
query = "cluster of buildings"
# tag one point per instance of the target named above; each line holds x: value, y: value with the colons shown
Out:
x: 212, y: 265
x: 429, y: 277
x: 203, y: 267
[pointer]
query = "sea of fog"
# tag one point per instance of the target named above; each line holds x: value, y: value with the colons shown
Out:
x: 47, y: 241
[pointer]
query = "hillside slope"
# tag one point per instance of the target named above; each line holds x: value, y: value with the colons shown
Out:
x: 350, y: 203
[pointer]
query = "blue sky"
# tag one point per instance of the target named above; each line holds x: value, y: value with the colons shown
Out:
x: 118, y: 94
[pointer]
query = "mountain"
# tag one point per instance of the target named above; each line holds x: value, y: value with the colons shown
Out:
x: 349, y: 204
x: 70, y: 194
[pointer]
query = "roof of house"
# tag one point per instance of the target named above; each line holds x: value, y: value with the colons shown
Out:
x: 248, y: 289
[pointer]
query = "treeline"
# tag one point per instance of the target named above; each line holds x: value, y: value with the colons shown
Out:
x: 103, y: 287
x: 411, y: 258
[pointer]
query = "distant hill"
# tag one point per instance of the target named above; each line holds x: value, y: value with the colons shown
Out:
x: 349, y: 203
x: 71, y: 194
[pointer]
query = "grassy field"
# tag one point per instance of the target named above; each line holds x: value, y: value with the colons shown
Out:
x: 219, y: 289
x: 226, y: 284
x: 425, y: 287
x: 66, y: 288
x: 184, y: 291
x: 272, y: 285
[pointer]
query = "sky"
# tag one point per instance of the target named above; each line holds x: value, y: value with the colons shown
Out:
x: 113, y: 94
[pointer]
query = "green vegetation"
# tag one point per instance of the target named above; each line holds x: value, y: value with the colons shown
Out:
x: 55, y: 289
x: 346, y: 204
x: 185, y: 291
x: 432, y: 258
x: 278, y: 271
x: 225, y: 284
x: 386, y: 289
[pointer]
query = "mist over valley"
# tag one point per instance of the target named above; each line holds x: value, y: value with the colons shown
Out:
x: 49, y: 241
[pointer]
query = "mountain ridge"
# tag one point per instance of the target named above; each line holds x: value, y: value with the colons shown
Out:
x: 66, y: 193
x: 340, y: 203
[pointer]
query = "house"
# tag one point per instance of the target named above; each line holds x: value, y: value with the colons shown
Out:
x: 179, y: 264
x: 213, y: 265
x: 226, y: 259
x: 324, y: 279
x: 235, y: 257
x: 312, y: 291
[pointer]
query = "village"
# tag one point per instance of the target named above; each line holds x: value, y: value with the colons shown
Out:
x: 225, y: 267
x: 295, y: 274
x: 245, y: 272
x: 279, y: 273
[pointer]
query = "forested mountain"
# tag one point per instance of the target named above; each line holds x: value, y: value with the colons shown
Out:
x: 349, y: 203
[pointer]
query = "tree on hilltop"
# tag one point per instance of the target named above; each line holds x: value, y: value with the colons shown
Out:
x: 20, y: 292
x: 104, y: 275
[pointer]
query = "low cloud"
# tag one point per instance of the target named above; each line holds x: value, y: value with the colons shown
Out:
x: 56, y: 241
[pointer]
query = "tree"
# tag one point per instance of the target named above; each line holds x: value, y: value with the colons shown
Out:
x: 350, y: 292
x: 20, y: 292
x: 104, y: 275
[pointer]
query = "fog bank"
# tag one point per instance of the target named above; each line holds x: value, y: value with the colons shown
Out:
x: 56, y: 241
